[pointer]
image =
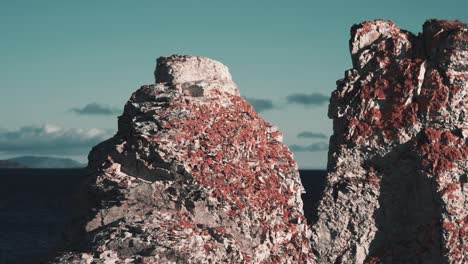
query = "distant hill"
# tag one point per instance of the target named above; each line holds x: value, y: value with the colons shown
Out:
x: 10, y: 164
x: 40, y: 162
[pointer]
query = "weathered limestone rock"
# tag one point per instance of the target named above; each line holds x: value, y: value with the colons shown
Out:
x: 193, y: 175
x: 398, y: 161
x: 193, y: 71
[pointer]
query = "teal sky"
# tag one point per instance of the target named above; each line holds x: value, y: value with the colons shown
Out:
x: 59, y: 55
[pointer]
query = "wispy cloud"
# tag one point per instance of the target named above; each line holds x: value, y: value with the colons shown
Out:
x: 50, y: 139
x: 260, y: 105
x: 96, y: 109
x: 320, y: 146
x: 307, y: 99
x: 309, y: 134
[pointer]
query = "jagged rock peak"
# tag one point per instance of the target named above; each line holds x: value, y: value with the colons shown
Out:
x: 398, y: 160
x: 194, y: 70
x: 366, y: 35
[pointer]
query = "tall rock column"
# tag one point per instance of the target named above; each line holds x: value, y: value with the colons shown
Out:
x: 193, y: 175
x: 398, y: 160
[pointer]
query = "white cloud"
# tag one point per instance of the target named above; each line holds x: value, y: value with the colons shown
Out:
x: 50, y: 139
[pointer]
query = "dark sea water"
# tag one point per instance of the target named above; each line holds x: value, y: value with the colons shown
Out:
x: 36, y: 205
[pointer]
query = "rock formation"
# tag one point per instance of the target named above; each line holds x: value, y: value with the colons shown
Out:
x: 193, y: 175
x: 398, y: 160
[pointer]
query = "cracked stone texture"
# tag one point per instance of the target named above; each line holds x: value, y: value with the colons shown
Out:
x: 398, y: 160
x: 193, y: 175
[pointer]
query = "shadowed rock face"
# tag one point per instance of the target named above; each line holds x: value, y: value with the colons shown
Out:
x: 398, y: 161
x: 193, y: 175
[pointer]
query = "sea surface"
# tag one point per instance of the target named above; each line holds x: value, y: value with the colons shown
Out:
x: 36, y: 205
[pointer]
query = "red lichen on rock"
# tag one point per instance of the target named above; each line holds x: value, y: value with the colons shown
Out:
x: 231, y: 151
x: 373, y: 179
x: 401, y: 110
x: 441, y: 149
x: 434, y: 96
x: 195, y: 175
x: 393, y: 89
x: 456, y: 233
x: 229, y: 131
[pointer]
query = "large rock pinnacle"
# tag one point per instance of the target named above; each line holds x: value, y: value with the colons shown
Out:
x: 398, y: 161
x: 193, y: 175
